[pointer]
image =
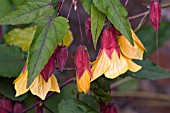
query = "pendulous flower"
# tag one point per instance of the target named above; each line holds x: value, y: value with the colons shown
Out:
x: 112, y: 59
x: 83, y: 70
x: 39, y: 86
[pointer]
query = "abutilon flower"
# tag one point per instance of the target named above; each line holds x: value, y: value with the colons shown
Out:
x: 111, y: 60
x: 40, y: 86
x: 61, y: 55
x: 83, y: 70
x: 108, y: 108
x: 88, y: 28
x: 18, y: 107
x: 155, y: 14
x: 6, y: 105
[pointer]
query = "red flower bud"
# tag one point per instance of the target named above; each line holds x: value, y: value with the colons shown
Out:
x: 48, y: 69
x: 18, y: 107
x: 88, y: 28
x: 61, y: 56
x: 6, y: 105
x: 108, y: 42
x: 108, y: 108
x: 82, y: 61
x: 155, y: 14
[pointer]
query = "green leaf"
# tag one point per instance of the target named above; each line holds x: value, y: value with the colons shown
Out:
x: 48, y: 35
x: 11, y: 61
x: 5, y: 7
x: 97, y: 22
x: 86, y: 5
x: 21, y: 37
x: 67, y: 39
x: 150, y: 71
x: 7, y: 90
x: 130, y: 85
x: 29, y: 11
x: 117, y: 15
x: 17, y: 2
x: 74, y: 106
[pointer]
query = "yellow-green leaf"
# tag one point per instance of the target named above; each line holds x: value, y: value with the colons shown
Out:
x: 21, y: 37
x: 68, y: 39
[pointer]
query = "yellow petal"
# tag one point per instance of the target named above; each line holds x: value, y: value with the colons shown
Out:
x: 21, y: 83
x: 100, y: 65
x: 136, y: 39
x: 133, y: 66
x: 83, y: 83
x: 135, y: 52
x: 54, y: 84
x: 117, y: 67
x: 40, y: 87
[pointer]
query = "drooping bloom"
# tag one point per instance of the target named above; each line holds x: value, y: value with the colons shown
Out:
x: 61, y: 55
x: 83, y: 70
x: 39, y: 86
x: 18, y: 107
x: 155, y: 14
x: 111, y: 61
x: 6, y: 105
x: 108, y: 108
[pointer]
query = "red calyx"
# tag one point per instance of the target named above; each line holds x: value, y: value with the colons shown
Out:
x: 61, y: 55
x: 88, y: 29
x: 155, y: 14
x: 108, y: 108
x: 82, y: 61
x: 48, y: 69
x: 18, y: 107
x: 6, y: 105
x: 108, y: 42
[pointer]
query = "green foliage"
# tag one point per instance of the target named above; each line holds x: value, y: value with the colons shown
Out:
x: 150, y: 71
x: 97, y: 22
x: 131, y: 85
x: 5, y: 8
x: 100, y: 94
x: 86, y: 5
x: 116, y: 13
x: 20, y: 37
x: 7, y: 90
x: 48, y: 35
x: 74, y: 106
x: 29, y: 11
x: 11, y: 61
x: 148, y: 37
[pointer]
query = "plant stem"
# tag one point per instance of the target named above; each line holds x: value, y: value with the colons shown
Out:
x: 62, y: 2
x: 70, y: 10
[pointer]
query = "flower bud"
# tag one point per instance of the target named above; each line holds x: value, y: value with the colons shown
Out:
x: 82, y: 61
x: 88, y: 28
x: 48, y: 69
x: 18, y: 107
x: 108, y: 108
x: 61, y: 56
x: 6, y: 105
x: 155, y: 14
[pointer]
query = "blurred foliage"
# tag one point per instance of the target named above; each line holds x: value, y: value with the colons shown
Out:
x: 148, y: 37
x: 21, y: 37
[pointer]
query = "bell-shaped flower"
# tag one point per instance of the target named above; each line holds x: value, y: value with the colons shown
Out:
x: 130, y: 51
x: 110, y: 60
x: 39, y: 86
x: 83, y: 70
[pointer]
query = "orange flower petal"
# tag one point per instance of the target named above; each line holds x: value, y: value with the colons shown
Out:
x: 135, y: 52
x: 21, y: 83
x: 117, y: 67
x: 83, y: 83
x: 40, y: 87
x: 100, y: 65
x: 54, y: 84
x: 133, y: 66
